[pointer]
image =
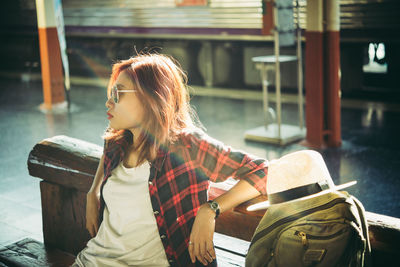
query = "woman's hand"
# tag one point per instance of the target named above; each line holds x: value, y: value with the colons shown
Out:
x: 201, y: 238
x: 92, y: 212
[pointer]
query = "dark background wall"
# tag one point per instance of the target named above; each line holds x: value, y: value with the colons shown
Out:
x: 91, y: 54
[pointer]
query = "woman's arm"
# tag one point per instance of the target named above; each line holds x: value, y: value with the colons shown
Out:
x: 98, y: 178
x: 219, y: 162
x: 238, y: 194
x: 203, y: 228
x: 93, y: 200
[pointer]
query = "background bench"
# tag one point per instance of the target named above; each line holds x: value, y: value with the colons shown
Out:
x: 67, y: 167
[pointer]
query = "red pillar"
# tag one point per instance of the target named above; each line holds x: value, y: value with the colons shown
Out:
x: 50, y: 56
x: 322, y: 78
x: 332, y: 74
x: 268, y: 19
x: 314, y: 74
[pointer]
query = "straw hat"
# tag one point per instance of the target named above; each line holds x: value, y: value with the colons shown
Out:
x: 297, y: 176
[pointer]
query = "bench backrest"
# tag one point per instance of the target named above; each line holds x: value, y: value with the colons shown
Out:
x: 67, y: 167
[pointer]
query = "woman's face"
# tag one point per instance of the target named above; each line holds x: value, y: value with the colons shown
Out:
x: 127, y: 114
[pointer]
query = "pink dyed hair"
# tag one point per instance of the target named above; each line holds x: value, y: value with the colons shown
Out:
x: 162, y: 87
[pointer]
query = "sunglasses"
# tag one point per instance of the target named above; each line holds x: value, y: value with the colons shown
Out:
x: 115, y: 93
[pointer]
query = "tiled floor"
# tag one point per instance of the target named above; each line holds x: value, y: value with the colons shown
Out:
x: 369, y: 154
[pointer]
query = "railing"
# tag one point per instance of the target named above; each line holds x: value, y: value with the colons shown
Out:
x: 67, y: 167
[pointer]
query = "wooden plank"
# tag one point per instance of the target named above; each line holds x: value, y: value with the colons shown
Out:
x: 31, y: 253
x: 66, y: 161
x: 59, y: 175
x: 236, y: 224
x: 230, y: 251
x: 64, y: 217
x: 226, y: 259
x: 232, y: 244
x: 384, y: 232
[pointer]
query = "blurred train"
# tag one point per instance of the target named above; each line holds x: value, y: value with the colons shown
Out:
x: 213, y: 40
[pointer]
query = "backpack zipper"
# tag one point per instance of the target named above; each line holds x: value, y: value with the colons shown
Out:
x: 301, y: 234
x: 303, y: 237
x: 295, y: 217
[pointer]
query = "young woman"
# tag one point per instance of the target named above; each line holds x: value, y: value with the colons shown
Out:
x: 152, y: 181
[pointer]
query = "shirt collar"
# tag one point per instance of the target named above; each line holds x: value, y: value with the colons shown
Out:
x: 160, y: 158
x: 158, y: 162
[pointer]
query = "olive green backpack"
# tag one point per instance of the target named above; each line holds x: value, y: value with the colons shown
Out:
x: 325, y: 230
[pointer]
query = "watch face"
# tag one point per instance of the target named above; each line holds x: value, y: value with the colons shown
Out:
x: 214, y: 205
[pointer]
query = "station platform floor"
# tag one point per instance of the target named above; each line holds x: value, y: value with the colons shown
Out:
x: 370, y: 152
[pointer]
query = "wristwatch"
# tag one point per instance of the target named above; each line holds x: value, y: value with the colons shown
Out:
x: 215, y: 207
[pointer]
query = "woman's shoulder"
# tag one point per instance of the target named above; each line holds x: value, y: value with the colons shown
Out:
x: 196, y: 136
x: 193, y: 132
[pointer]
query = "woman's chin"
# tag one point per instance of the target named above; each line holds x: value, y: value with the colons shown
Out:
x: 134, y: 128
x: 113, y: 126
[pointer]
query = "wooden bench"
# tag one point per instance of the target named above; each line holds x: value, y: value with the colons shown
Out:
x: 31, y: 253
x: 67, y: 167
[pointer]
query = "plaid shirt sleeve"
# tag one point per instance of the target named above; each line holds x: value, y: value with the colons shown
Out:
x: 219, y: 161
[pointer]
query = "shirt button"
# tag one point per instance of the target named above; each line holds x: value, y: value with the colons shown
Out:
x: 171, y: 261
x: 163, y: 236
x: 156, y: 212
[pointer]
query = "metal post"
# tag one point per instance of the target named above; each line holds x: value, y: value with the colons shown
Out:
x: 277, y: 72
x: 299, y: 69
x: 273, y: 130
x: 264, y: 81
x: 209, y: 72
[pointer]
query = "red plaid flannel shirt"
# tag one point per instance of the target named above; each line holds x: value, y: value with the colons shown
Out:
x: 179, y: 181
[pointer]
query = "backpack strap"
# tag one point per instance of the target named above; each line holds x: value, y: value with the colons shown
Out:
x: 364, y: 225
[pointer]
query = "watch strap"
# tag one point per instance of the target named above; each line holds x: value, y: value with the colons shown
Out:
x: 215, y: 207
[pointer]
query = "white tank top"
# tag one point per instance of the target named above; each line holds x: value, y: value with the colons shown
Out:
x: 128, y: 234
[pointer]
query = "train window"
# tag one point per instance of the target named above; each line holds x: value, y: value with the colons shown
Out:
x: 376, y: 62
